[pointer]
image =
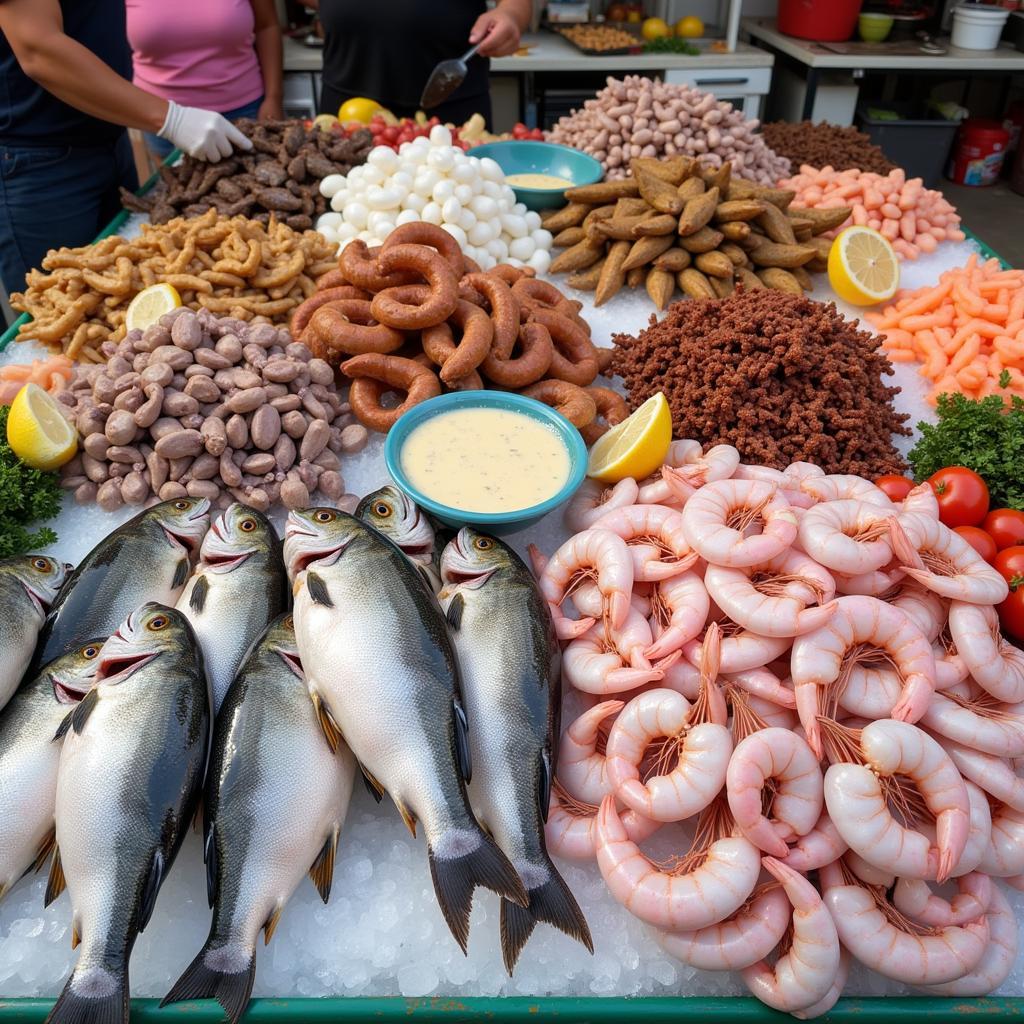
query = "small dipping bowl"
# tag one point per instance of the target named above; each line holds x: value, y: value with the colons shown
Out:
x: 495, y: 522
x: 874, y: 27
x: 515, y: 156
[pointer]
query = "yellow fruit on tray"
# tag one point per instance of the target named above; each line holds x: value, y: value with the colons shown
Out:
x: 690, y: 27
x: 634, y: 16
x: 862, y: 267
x: 37, y: 431
x: 635, y: 447
x: 360, y: 109
x: 655, y: 28
x: 150, y: 304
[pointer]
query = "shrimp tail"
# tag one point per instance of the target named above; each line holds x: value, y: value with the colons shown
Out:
x: 678, y: 483
x: 566, y: 628
x: 655, y: 572
x: 906, y: 554
x: 807, y: 709
x: 817, y: 616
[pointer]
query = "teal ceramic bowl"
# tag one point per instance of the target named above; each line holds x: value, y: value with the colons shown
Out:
x: 873, y: 28
x: 495, y: 522
x: 525, y: 157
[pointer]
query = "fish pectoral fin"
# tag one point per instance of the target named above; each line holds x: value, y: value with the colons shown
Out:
x: 150, y: 888
x: 322, y: 871
x: 56, y: 883
x: 44, y: 850
x: 181, y: 571
x: 318, y: 593
x: 197, y: 599
x: 373, y: 786
x: 328, y: 726
x: 78, y: 715
x: 298, y: 583
x: 456, y: 606
x: 210, y: 858
x: 271, y: 923
x: 462, y: 740
x: 407, y: 816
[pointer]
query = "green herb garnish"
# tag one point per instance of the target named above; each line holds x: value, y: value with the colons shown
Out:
x: 671, y: 44
x: 26, y: 495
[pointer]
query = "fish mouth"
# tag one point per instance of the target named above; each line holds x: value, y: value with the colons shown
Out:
x: 188, y: 541
x: 222, y: 562
x: 292, y: 661
x: 315, y: 556
x: 65, y: 693
x: 117, y: 668
x: 458, y: 571
x: 37, y: 600
x: 324, y: 552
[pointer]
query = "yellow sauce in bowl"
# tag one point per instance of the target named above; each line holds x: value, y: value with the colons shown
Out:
x: 537, y: 181
x: 485, y: 460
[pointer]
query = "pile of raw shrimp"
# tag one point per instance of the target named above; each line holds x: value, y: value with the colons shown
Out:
x: 812, y: 678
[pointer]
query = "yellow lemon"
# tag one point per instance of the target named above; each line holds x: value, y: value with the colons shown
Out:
x: 655, y: 28
x: 37, y: 431
x: 636, y: 447
x: 150, y: 304
x: 690, y: 27
x: 862, y: 267
x: 359, y: 108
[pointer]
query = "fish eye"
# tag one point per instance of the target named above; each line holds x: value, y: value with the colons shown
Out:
x: 42, y: 565
x: 90, y: 652
x: 158, y: 622
x: 382, y: 508
x: 483, y: 543
x: 247, y: 525
x: 181, y: 505
x: 324, y: 516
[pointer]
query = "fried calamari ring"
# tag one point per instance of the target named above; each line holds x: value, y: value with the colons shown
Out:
x: 346, y: 327
x: 529, y: 366
x: 611, y: 407
x: 504, y: 310
x: 568, y: 399
x: 359, y: 265
x: 510, y: 274
x: 419, y: 232
x: 304, y: 312
x: 605, y: 358
x: 435, y: 270
x: 456, y: 360
x: 574, y: 358
x: 374, y: 375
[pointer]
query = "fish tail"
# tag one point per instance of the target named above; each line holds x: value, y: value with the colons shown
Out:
x: 94, y: 995
x: 461, y: 861
x: 225, y: 974
x: 551, y: 901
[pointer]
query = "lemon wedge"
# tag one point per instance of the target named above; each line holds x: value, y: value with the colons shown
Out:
x: 37, y: 431
x: 862, y: 267
x: 150, y: 304
x: 636, y: 447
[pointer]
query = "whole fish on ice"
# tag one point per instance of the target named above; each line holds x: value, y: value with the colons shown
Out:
x: 274, y: 803
x: 130, y: 776
x: 393, y: 513
x: 511, y: 683
x: 238, y: 586
x: 383, y: 675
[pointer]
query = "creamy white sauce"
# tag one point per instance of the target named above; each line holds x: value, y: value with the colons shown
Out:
x: 485, y: 460
x: 529, y: 180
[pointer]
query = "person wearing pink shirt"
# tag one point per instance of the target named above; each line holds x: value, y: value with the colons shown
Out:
x: 222, y: 55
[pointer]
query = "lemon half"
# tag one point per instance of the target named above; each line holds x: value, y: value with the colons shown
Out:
x: 636, y: 447
x: 150, y: 304
x: 862, y: 266
x: 37, y: 431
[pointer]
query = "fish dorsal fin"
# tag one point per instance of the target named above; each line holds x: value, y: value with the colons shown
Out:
x: 373, y: 786
x: 78, y: 715
x: 407, y: 816
x: 271, y: 923
x: 318, y: 593
x: 55, y: 884
x: 322, y: 872
x: 210, y: 857
x: 456, y: 606
x: 44, y: 850
x: 462, y: 741
x: 328, y: 726
x: 150, y: 888
x: 181, y: 571
x: 544, y: 789
x: 197, y: 599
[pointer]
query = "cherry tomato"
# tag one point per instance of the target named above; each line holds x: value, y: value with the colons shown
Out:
x: 1005, y: 526
x: 979, y: 540
x: 962, y: 495
x: 896, y: 487
x: 1010, y: 563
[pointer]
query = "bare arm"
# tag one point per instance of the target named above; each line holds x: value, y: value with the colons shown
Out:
x: 268, y: 52
x: 72, y: 72
x: 498, y: 31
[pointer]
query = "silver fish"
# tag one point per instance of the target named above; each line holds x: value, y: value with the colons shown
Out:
x: 383, y: 675
x: 146, y: 559
x: 28, y: 586
x: 400, y: 519
x: 274, y: 803
x: 511, y: 683
x: 239, y: 585
x: 130, y: 776
x: 29, y: 759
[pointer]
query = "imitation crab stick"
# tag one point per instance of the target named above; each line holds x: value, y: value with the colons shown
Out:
x: 967, y: 331
x: 51, y: 374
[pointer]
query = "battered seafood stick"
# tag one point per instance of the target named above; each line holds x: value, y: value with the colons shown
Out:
x: 511, y: 682
x: 383, y: 675
x: 393, y: 513
x: 129, y: 780
x: 146, y: 559
x: 273, y: 806
x: 239, y: 585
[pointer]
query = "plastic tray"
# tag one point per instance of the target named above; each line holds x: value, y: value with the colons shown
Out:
x: 619, y: 51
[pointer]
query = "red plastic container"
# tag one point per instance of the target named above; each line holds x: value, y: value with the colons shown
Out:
x: 979, y: 152
x: 825, y: 21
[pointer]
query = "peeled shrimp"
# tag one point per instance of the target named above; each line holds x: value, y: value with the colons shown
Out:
x: 942, y: 561
x: 926, y: 610
x: 593, y: 500
x: 877, y: 935
x: 914, y: 897
x: 654, y: 535
x: 873, y: 584
x: 606, y: 661
x: 718, y: 463
x: 569, y: 829
x: 656, y: 490
x: 581, y: 769
x: 785, y: 596
x: 994, y: 663
x: 831, y: 997
x: 774, y: 714
x: 822, y: 845
x: 1004, y: 857
x: 970, y: 716
x: 995, y: 775
x: 863, y: 629
x: 804, y: 974
x: 679, y: 609
x: 763, y: 683
x: 850, y: 537
x: 785, y: 759
x: 844, y: 487
x: 858, y: 800
x: 742, y: 650
x: 716, y: 518
x: 921, y: 499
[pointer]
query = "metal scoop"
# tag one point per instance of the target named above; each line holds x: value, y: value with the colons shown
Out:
x: 445, y: 79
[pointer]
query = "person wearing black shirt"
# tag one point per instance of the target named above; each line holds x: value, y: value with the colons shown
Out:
x: 386, y: 49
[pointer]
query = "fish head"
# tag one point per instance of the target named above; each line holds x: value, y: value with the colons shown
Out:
x: 472, y: 558
x: 279, y: 637
x: 393, y: 513
x: 183, y: 520
x: 40, y: 575
x: 72, y: 675
x: 318, y: 536
x: 234, y: 536
x: 148, y: 633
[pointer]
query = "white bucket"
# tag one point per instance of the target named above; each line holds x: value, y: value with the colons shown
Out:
x: 978, y: 27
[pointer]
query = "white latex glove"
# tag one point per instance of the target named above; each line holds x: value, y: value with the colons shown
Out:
x: 201, y: 133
